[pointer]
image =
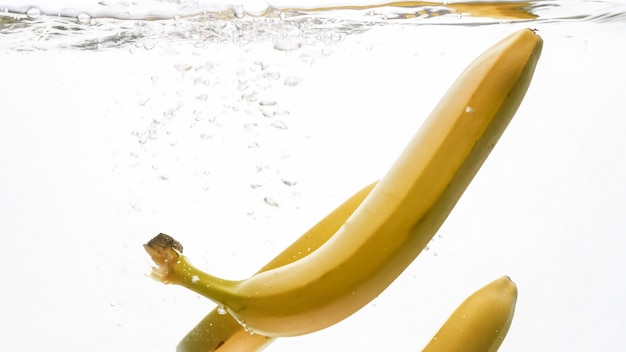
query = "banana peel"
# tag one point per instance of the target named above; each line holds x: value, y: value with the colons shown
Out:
x: 451, y: 120
x: 221, y: 332
x: 481, y: 322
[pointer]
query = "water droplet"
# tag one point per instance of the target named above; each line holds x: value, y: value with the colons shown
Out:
x: 33, y: 13
x: 469, y: 110
x: 83, y: 18
x: 221, y: 310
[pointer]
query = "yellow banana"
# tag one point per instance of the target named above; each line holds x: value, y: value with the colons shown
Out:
x: 394, y: 222
x: 221, y: 332
x: 481, y: 322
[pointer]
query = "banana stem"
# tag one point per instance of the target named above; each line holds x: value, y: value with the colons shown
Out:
x: 172, y: 267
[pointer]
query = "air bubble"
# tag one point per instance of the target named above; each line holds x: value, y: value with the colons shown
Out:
x: 271, y: 75
x: 221, y: 310
x: 195, y: 279
x: 238, y: 11
x: 33, y: 13
x: 280, y: 125
x: 83, y: 18
x: 182, y: 67
x: 289, y: 182
x: 245, y: 326
x: 270, y: 201
x: 288, y: 44
x: 292, y: 81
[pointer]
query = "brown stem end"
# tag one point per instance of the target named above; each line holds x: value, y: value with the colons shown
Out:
x: 164, y: 251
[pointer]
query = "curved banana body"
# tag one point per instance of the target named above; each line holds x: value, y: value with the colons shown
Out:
x: 481, y: 322
x: 221, y: 332
x: 397, y: 219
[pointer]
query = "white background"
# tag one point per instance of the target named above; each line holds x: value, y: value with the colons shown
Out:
x: 83, y: 187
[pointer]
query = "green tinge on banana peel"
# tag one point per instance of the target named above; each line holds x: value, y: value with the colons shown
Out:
x: 481, y: 322
x: 375, y: 242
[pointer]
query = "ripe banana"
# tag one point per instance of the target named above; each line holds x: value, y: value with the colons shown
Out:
x: 481, y: 322
x: 393, y: 223
x: 221, y: 332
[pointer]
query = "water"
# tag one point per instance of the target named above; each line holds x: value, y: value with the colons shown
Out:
x: 234, y: 129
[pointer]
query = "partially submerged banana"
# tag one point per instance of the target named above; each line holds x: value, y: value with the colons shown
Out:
x: 481, y: 322
x: 221, y: 332
x: 394, y: 222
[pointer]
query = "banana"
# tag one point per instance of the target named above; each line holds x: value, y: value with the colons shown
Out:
x: 500, y: 10
x: 221, y: 332
x: 394, y: 222
x: 481, y: 322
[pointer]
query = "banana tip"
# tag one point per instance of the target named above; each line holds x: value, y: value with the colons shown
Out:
x: 507, y: 284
